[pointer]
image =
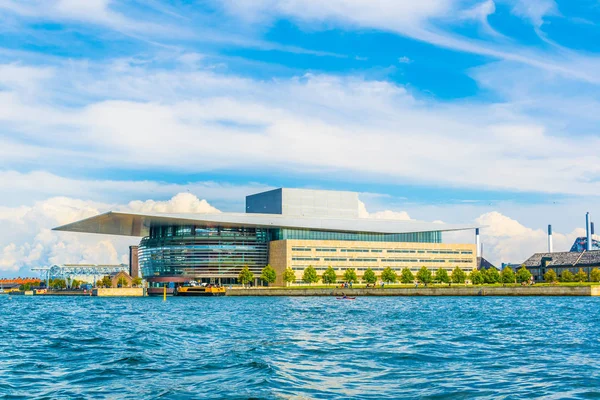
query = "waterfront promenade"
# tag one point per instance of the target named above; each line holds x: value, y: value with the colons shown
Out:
x: 423, y: 291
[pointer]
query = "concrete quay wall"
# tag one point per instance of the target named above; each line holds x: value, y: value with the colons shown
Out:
x: 118, y: 292
x: 449, y: 291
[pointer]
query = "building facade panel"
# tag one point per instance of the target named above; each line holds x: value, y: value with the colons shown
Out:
x: 359, y: 255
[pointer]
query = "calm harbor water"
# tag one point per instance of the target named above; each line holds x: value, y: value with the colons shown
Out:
x: 254, y: 347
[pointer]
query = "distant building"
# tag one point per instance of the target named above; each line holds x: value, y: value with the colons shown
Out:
x: 539, y: 263
x: 514, y: 267
x: 483, y: 264
x: 581, y: 244
x: 122, y: 277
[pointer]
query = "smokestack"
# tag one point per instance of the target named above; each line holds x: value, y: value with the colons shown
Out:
x: 592, y: 226
x: 588, y: 230
x: 549, y: 238
x: 477, y: 242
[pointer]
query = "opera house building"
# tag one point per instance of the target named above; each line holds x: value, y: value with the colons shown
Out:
x: 284, y: 228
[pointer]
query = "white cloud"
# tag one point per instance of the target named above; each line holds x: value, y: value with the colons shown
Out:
x: 220, y: 121
x: 98, y: 12
x: 404, y: 60
x: 534, y: 10
x: 180, y: 203
x: 385, y: 214
x: 25, y: 188
x: 507, y: 240
x: 27, y: 241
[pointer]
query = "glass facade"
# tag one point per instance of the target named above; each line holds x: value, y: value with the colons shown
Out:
x: 309, y: 234
x: 217, y: 252
x: 196, y: 252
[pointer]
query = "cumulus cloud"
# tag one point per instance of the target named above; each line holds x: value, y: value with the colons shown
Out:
x: 506, y: 240
x: 385, y: 214
x: 180, y: 203
x: 27, y: 240
x: 237, y: 123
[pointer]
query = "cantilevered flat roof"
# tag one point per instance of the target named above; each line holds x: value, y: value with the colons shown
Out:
x: 138, y: 224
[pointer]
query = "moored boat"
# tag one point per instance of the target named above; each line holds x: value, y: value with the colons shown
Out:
x: 199, y: 290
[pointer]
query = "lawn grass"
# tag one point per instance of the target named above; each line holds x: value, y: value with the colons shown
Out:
x: 436, y: 286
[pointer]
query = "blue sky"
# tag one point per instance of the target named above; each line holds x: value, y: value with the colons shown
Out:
x: 482, y: 110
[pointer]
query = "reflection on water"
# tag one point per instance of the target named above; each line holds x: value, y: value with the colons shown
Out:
x: 371, y: 348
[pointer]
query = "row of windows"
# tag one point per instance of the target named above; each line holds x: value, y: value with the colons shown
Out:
x: 308, y: 234
x: 301, y: 268
x: 405, y: 251
x: 393, y: 260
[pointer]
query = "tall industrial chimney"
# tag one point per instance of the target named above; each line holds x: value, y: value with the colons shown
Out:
x: 588, y: 230
x: 593, y: 231
x: 549, y: 238
x: 477, y: 242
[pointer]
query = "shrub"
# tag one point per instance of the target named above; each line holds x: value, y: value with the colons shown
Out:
x: 329, y: 276
x: 523, y: 275
x: 369, y: 276
x: 246, y: 276
x: 441, y: 275
x: 507, y: 275
x: 289, y: 275
x: 458, y: 275
x: 388, y: 275
x: 595, y: 275
x: 567, y: 276
x: 268, y: 274
x: 491, y: 275
x: 477, y: 277
x: 581, y: 276
x: 406, y: 276
x: 550, y: 276
x: 310, y: 275
x: 350, y: 275
x: 424, y: 275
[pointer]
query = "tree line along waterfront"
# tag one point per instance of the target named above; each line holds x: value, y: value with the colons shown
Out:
x: 61, y: 284
x: 424, y: 276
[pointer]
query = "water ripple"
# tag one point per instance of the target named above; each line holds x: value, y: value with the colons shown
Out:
x: 299, y: 348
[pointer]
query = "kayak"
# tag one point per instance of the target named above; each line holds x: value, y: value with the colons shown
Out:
x: 346, y: 298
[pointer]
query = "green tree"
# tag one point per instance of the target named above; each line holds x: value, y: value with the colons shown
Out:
x: 458, y: 275
x: 388, y: 275
x: 369, y: 276
x: 424, y: 275
x: 441, y: 275
x: 106, y: 282
x: 491, y: 275
x: 406, y: 276
x: 581, y: 276
x: 477, y: 277
x: 595, y: 275
x: 350, y: 275
x: 567, y: 276
x: 137, y: 281
x: 122, y: 281
x: 76, y: 283
x: 550, y: 276
x: 329, y: 276
x: 246, y: 276
x: 58, y: 283
x: 268, y: 274
x: 25, y: 287
x: 523, y: 275
x: 289, y: 276
x: 507, y: 275
x: 310, y: 275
